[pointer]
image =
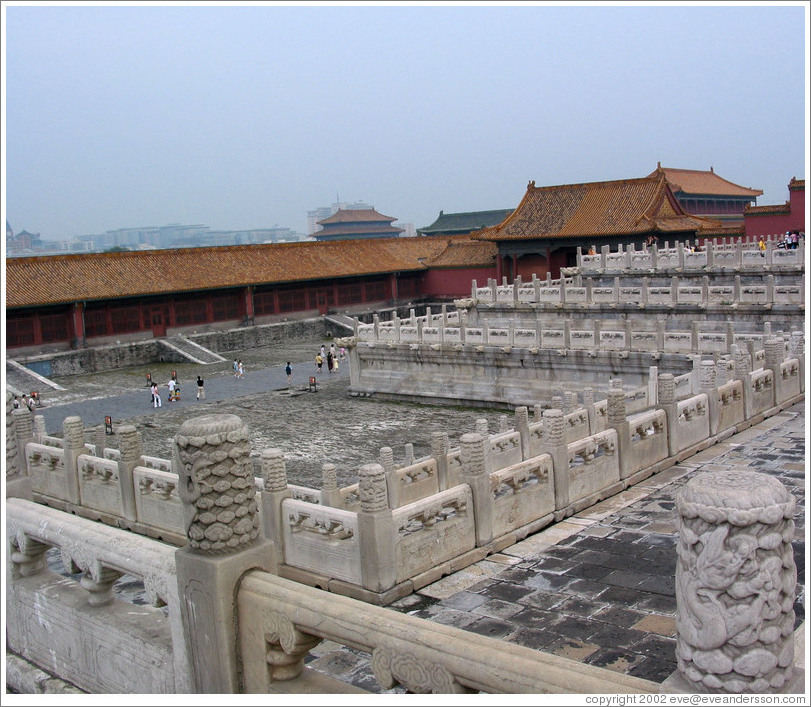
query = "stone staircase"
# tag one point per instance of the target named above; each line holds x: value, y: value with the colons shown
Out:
x: 20, y: 379
x: 343, y: 321
x: 190, y: 350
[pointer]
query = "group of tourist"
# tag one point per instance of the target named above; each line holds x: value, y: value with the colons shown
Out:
x: 791, y: 240
x: 27, y: 401
x: 239, y: 369
x: 330, y: 357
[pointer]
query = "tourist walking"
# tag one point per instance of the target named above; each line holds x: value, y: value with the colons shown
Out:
x: 240, y: 369
x: 289, y: 371
x: 236, y: 368
x: 319, y: 361
x: 201, y: 390
x: 329, y: 361
x: 761, y: 244
x: 174, y: 390
x: 156, y: 396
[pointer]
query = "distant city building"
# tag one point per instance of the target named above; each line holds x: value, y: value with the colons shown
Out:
x: 409, y: 230
x: 322, y: 212
x: 464, y: 222
x: 706, y: 194
x: 356, y: 223
x: 22, y: 243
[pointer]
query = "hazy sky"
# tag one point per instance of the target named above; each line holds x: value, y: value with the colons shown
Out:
x: 249, y: 116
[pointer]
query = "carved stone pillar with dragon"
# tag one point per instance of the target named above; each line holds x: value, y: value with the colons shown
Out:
x: 735, y: 585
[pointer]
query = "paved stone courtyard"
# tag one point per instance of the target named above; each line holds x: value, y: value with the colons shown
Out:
x: 597, y: 587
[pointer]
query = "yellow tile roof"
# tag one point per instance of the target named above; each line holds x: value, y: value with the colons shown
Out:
x: 356, y: 215
x: 623, y: 207
x: 694, y: 181
x: 465, y: 253
x: 42, y: 280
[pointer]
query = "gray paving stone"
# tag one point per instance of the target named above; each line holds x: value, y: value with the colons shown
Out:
x: 498, y: 609
x: 464, y: 601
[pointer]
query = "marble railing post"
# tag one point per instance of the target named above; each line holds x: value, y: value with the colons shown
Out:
x: 273, y: 472
x: 666, y: 396
x: 522, y: 427
x: 483, y: 428
x: 654, y: 257
x: 129, y: 444
x: 555, y: 445
x: 743, y: 368
x: 211, y: 457
x: 396, y: 323
x: 604, y: 251
x: 643, y: 297
x: 588, y: 403
x: 736, y: 288
x: 474, y: 453
x: 439, y: 450
x: 375, y: 530
x: 503, y: 424
x: 516, y: 286
x: 570, y: 401
x: 494, y: 290
x: 707, y: 384
x: 408, y: 453
x: 775, y: 349
x: 738, y: 256
x: 653, y: 385
x: 473, y: 287
x: 695, y: 358
x: 769, y: 283
x: 567, y: 335
x: 705, y: 290
x: 386, y: 460
x: 694, y: 332
x: 99, y: 435
x: 23, y: 433
x: 330, y: 493
x: 797, y: 348
x: 674, y: 290
x: 735, y: 584
x: 38, y: 428
x: 617, y: 418
x: 73, y: 435
x: 680, y: 254
x: 18, y: 482
x: 615, y: 297
x: 710, y: 251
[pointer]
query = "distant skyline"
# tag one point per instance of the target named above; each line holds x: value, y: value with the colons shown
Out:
x: 249, y: 116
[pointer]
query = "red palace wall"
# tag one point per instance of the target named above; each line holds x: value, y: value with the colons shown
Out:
x: 455, y: 282
x: 789, y: 217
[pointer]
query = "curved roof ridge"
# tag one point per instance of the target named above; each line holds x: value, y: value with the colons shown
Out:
x: 672, y: 176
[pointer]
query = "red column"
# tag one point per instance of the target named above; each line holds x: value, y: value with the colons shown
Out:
x: 78, y: 325
x: 247, y: 295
